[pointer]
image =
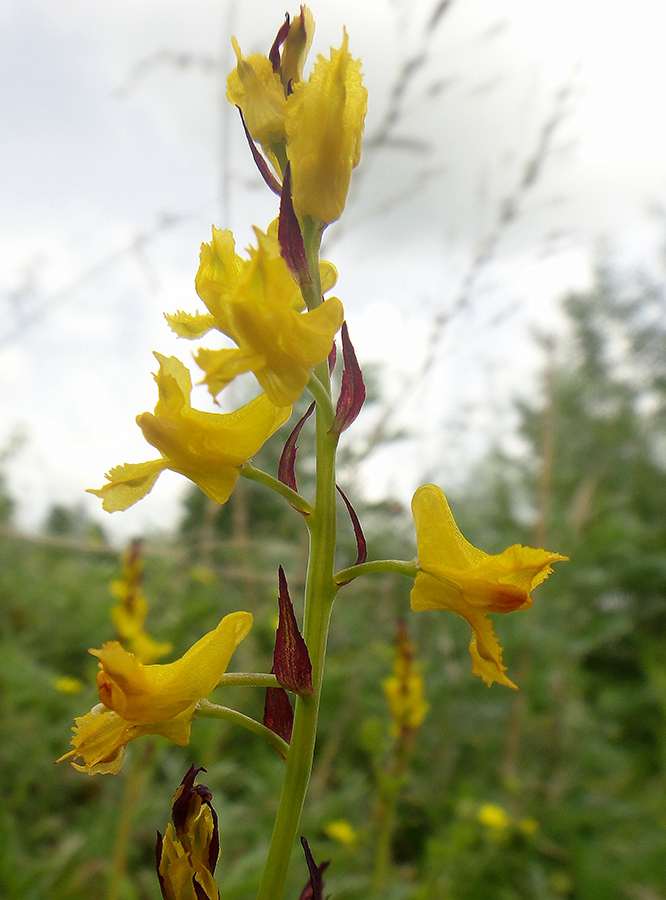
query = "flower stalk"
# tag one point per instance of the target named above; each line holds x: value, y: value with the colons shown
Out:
x: 305, y: 136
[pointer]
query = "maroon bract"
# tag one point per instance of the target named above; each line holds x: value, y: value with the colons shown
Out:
x: 352, y: 389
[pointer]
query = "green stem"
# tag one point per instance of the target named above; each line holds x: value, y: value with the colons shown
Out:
x: 312, y: 235
x: 247, y: 679
x: 137, y: 776
x: 207, y: 710
x: 248, y: 471
x: 320, y: 590
x: 321, y: 395
x: 376, y: 567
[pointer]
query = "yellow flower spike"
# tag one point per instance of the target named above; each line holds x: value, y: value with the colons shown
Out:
x: 207, y: 448
x: 138, y: 700
x: 260, y: 310
x: 404, y: 689
x: 142, y: 694
x: 456, y: 576
x: 324, y: 125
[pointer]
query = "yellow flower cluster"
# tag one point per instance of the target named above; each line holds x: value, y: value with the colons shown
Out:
x: 311, y: 131
x: 314, y: 126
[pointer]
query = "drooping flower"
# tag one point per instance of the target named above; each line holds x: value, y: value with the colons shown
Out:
x: 316, y: 125
x: 138, y: 700
x: 206, y: 447
x: 456, y: 576
x: 188, y: 852
x: 257, y: 303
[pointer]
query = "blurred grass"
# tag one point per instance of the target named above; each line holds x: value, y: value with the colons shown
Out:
x: 598, y: 828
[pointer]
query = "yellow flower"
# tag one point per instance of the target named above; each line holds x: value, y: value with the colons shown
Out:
x: 256, y: 89
x: 494, y: 816
x: 207, y: 448
x: 258, y: 304
x: 139, y: 700
x: 68, y: 685
x: 316, y: 125
x: 456, y: 576
x: 325, y: 122
x: 341, y: 831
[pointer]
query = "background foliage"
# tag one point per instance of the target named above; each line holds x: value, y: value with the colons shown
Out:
x: 576, y: 760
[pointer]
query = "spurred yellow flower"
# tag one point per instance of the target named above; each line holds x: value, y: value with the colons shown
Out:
x: 160, y: 699
x: 316, y: 125
x: 257, y: 303
x: 206, y: 447
x: 456, y: 576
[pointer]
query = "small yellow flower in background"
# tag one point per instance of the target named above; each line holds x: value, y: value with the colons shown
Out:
x: 315, y: 125
x: 160, y: 699
x: 494, y: 816
x: 68, y: 685
x: 258, y: 304
x: 205, y: 447
x: 203, y: 574
x: 404, y: 689
x: 456, y: 576
x: 342, y: 832
x: 528, y: 827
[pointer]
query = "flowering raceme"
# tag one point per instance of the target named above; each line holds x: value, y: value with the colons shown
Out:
x: 258, y: 304
x: 404, y: 689
x: 206, y: 447
x: 456, y: 576
x: 316, y: 125
x: 138, y: 700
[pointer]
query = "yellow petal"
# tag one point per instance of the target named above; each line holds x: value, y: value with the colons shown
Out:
x: 256, y: 89
x: 324, y: 124
x: 100, y: 738
x: 208, y: 447
x: 188, y: 325
x: 296, y: 48
x: 128, y: 483
x: 144, y: 694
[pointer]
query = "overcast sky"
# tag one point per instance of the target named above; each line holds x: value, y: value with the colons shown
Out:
x: 118, y: 154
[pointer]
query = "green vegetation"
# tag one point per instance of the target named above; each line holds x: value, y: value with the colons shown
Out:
x: 576, y: 760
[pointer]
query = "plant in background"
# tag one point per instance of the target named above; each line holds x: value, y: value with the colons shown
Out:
x: 305, y: 137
